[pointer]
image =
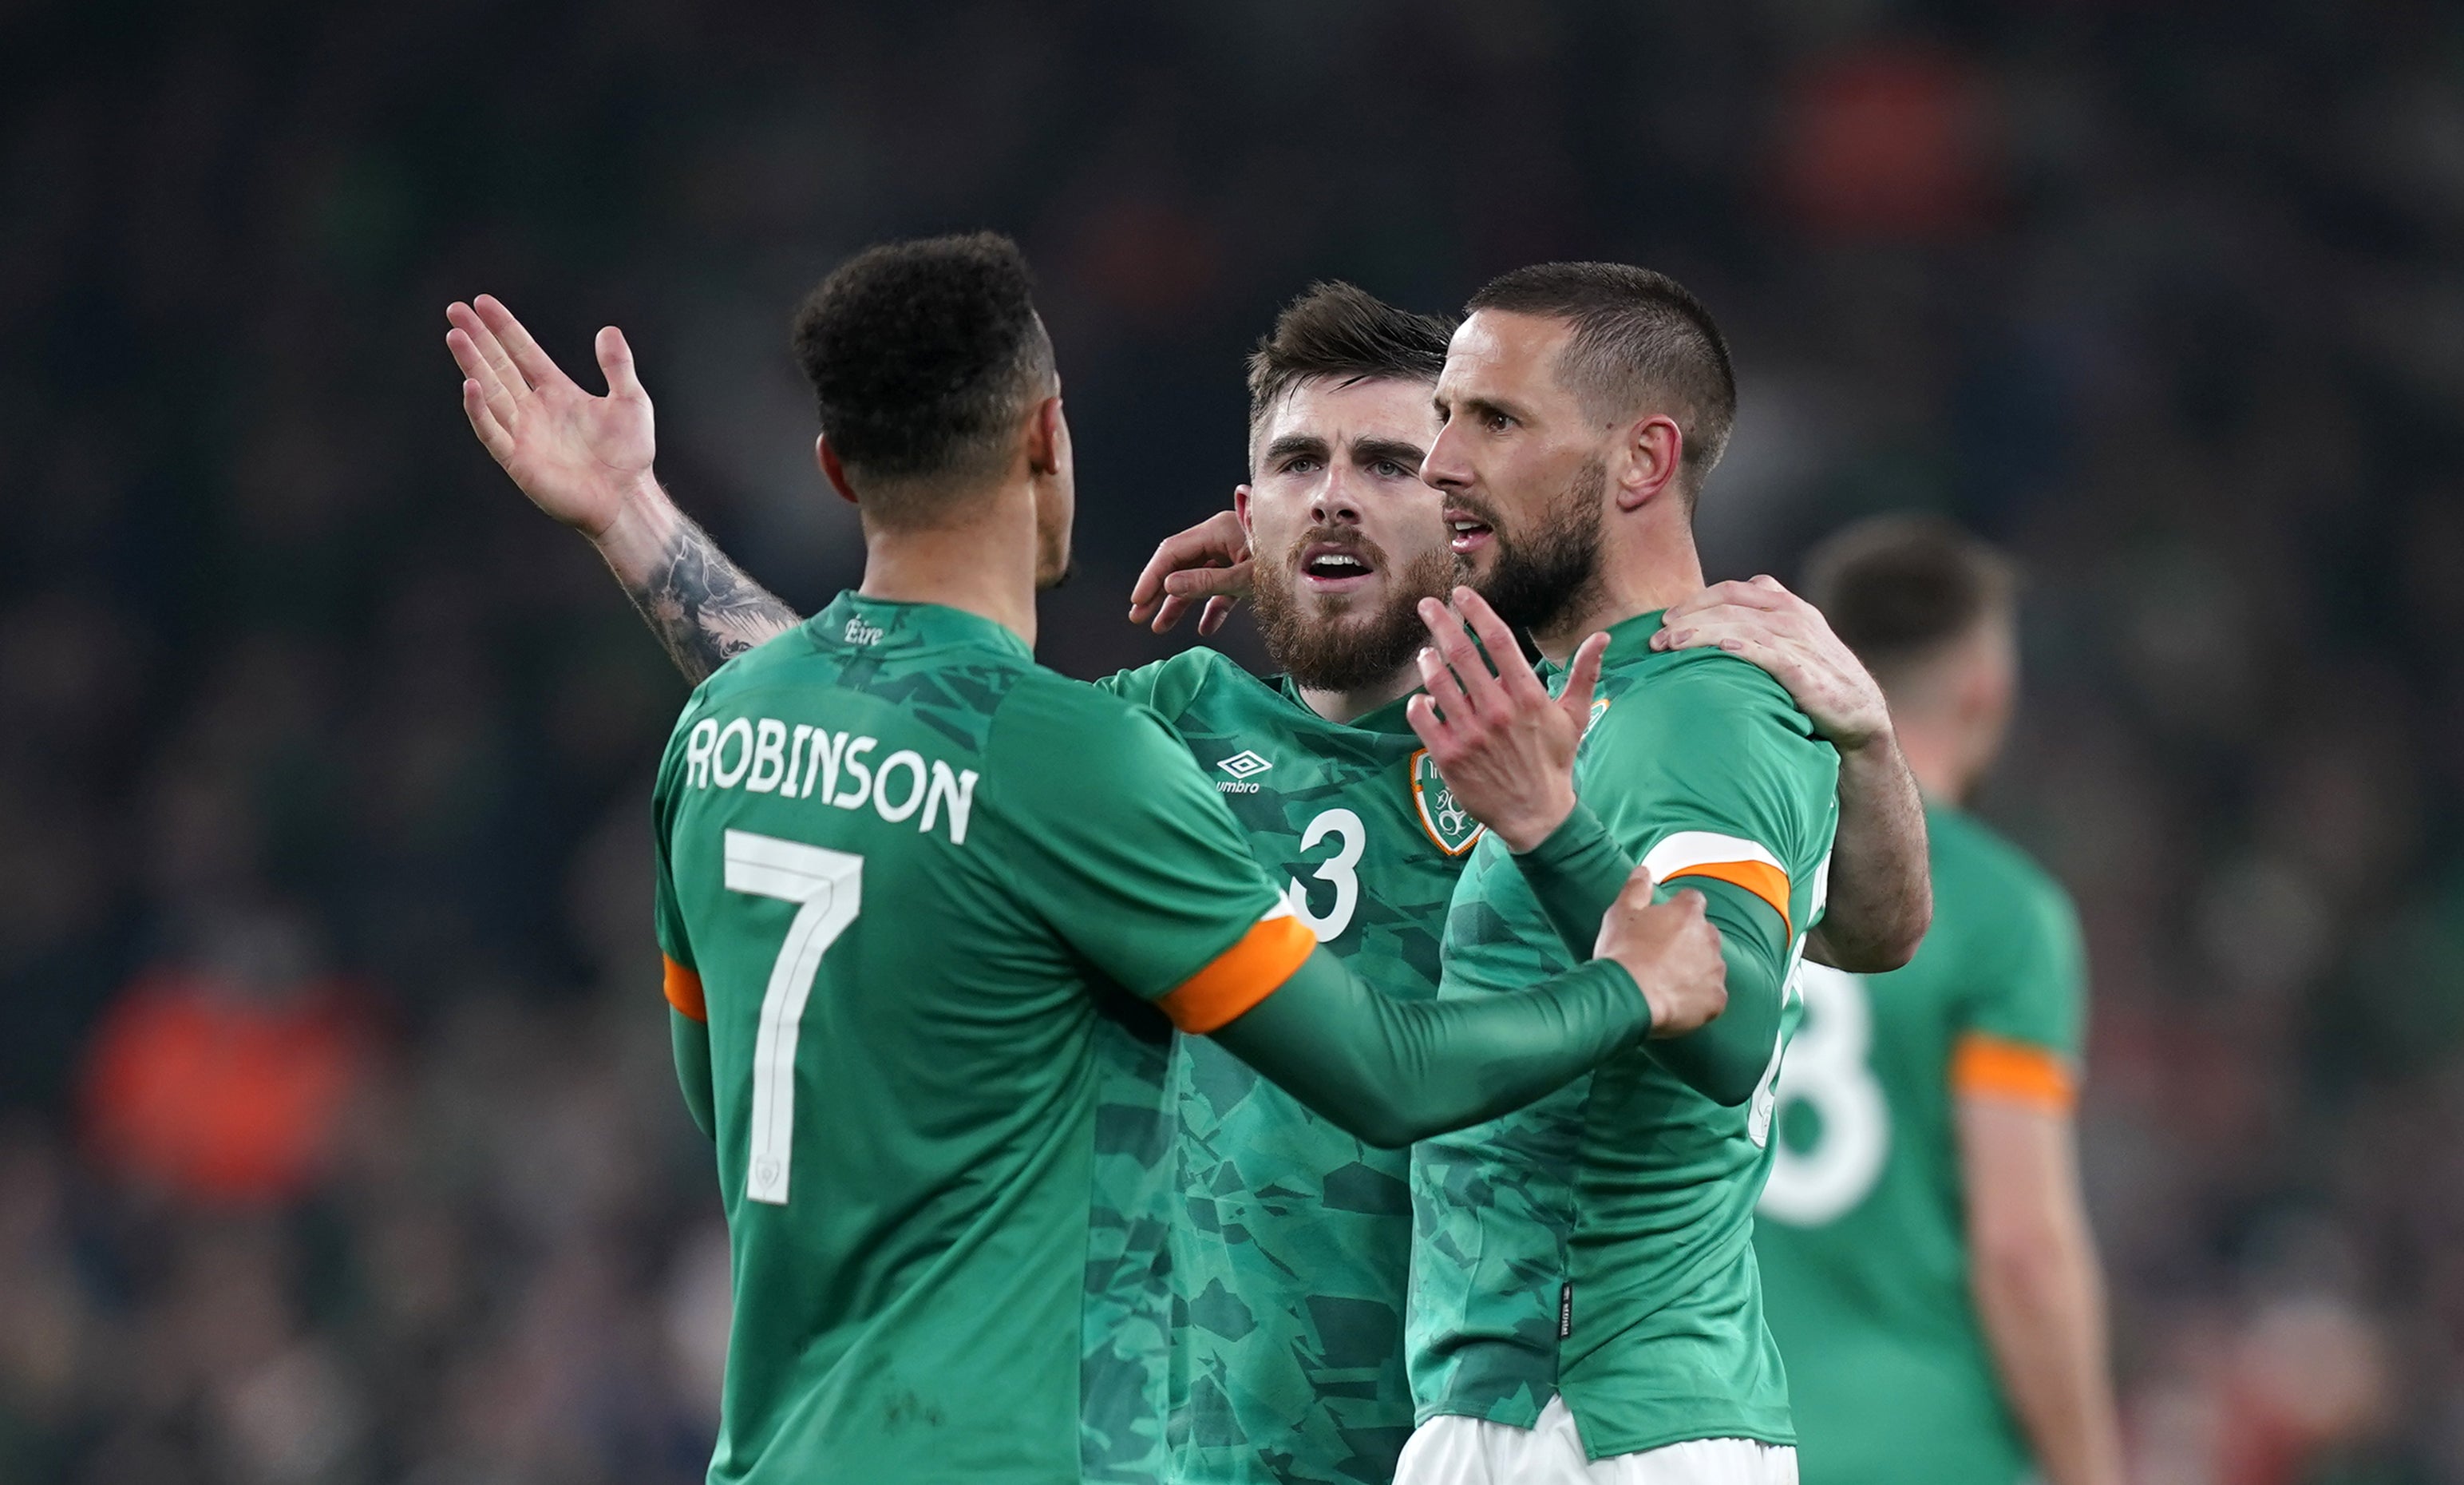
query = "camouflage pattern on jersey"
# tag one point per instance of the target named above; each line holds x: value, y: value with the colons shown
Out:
x: 1290, y: 1261
x: 1123, y: 1378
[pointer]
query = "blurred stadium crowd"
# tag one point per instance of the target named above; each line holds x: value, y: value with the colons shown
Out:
x: 339, y: 1141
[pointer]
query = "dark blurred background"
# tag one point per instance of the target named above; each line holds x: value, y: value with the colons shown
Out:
x: 340, y: 1139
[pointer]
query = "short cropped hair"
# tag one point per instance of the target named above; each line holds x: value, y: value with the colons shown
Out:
x: 1638, y: 335
x: 923, y: 356
x: 1898, y: 590
x: 1342, y: 331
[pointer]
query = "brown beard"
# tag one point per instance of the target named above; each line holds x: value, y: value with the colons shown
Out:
x: 1347, y: 653
x: 1554, y: 569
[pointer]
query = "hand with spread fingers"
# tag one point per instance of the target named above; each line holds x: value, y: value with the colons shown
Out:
x: 1209, y: 562
x: 1673, y: 952
x: 581, y: 459
x: 1763, y: 621
x: 1504, y: 745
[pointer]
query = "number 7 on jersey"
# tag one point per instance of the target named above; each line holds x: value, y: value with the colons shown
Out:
x: 827, y: 889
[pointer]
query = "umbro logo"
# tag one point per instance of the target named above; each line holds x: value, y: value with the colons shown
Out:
x: 1245, y: 763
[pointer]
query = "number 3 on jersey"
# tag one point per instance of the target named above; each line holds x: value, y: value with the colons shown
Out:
x: 827, y: 889
x: 1340, y: 871
x: 1826, y: 1069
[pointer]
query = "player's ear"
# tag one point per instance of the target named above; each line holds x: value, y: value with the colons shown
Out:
x: 1241, y: 508
x: 832, y: 471
x: 1647, y: 463
x: 1047, y: 437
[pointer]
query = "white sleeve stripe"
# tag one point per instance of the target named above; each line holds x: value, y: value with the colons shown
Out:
x: 1283, y: 908
x: 1685, y: 849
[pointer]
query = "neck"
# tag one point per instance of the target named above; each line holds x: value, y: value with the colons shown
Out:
x: 982, y: 564
x: 1647, y: 567
x: 1349, y: 706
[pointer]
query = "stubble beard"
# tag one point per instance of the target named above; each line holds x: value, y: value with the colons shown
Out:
x: 1347, y: 653
x: 1548, y: 574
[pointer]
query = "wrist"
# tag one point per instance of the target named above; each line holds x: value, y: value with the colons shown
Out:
x: 1878, y: 749
x: 1617, y: 971
x: 643, y: 519
x: 1529, y: 832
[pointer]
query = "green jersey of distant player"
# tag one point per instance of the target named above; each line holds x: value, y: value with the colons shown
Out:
x: 896, y: 857
x: 1862, y: 1234
x: 1597, y: 1245
x: 1294, y: 1236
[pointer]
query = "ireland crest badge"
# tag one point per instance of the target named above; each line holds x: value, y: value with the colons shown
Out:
x: 1448, y: 823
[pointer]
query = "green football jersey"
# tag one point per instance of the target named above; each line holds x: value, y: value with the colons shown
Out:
x: 921, y: 889
x: 1294, y: 1239
x: 1597, y: 1245
x: 1863, y: 1237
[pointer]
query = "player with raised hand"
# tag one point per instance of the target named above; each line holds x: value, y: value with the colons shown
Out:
x: 1923, y: 1244
x: 909, y: 882
x: 1585, y: 1303
x: 1292, y: 1240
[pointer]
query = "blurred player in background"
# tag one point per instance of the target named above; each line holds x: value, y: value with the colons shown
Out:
x: 1926, y: 1256
x: 908, y: 881
x: 1293, y: 1234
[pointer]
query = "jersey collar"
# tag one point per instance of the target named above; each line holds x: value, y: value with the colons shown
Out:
x: 878, y: 625
x: 1389, y: 718
x: 1629, y: 639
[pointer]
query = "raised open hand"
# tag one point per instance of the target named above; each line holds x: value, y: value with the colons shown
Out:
x: 579, y: 457
x: 1502, y: 743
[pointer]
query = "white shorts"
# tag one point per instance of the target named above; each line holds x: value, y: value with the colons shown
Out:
x: 1452, y: 1450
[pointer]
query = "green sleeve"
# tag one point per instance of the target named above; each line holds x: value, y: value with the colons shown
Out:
x: 667, y: 918
x: 1576, y: 873
x: 1116, y: 840
x: 1392, y: 1070
x: 1725, y: 1060
x: 1714, y: 752
x: 2033, y: 988
x: 689, y: 1037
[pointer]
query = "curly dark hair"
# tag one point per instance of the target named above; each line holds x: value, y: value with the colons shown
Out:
x: 922, y: 356
x: 1340, y: 330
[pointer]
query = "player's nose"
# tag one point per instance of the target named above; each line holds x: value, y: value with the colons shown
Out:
x: 1338, y: 500
x: 1444, y: 466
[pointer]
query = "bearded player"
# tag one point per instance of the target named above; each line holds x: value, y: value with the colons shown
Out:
x: 890, y: 997
x: 1925, y: 1248
x: 1288, y: 1362
x: 1585, y: 1303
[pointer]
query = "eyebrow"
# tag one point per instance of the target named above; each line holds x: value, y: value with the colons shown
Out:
x: 1370, y: 451
x: 1294, y: 446
x: 1482, y: 407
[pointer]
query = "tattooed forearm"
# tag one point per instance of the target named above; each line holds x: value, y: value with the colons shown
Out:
x: 702, y: 607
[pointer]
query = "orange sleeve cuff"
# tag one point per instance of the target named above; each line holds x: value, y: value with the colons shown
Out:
x: 1759, y: 877
x: 684, y: 992
x: 1992, y: 1067
x: 1241, y: 976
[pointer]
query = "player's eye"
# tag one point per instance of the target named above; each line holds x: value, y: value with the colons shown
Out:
x: 1303, y: 464
x: 1388, y: 469
x: 1496, y: 422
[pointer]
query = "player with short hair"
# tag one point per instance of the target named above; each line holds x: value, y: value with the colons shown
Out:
x: 1925, y: 1252
x: 1294, y: 1236
x: 1584, y: 1298
x: 909, y: 883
